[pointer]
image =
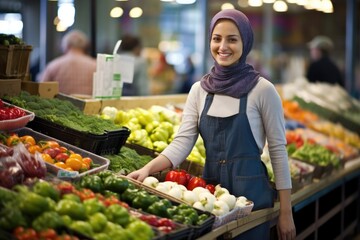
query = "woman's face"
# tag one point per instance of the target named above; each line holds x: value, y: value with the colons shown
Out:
x: 226, y: 44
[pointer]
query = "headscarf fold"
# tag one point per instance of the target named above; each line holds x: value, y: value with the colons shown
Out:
x: 238, y: 79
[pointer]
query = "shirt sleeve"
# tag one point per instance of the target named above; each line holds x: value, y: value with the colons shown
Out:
x: 185, y: 139
x: 272, y: 115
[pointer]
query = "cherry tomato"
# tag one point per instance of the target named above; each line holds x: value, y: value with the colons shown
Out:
x: 76, y: 155
x: 48, y: 233
x: 87, y: 161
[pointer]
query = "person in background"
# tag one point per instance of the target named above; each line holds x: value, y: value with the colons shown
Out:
x: 131, y: 45
x: 235, y: 110
x: 74, y: 69
x: 322, y: 68
x: 163, y: 76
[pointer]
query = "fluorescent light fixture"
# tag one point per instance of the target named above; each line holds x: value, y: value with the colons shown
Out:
x: 116, y: 12
x: 255, y: 3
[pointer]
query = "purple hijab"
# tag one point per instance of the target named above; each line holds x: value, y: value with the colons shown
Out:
x: 238, y: 79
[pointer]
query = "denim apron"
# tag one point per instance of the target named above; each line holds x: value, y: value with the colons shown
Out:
x: 233, y: 160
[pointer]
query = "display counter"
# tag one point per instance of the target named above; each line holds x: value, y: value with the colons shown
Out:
x: 326, y: 209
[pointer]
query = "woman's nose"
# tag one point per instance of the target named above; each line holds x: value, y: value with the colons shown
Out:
x: 223, y: 44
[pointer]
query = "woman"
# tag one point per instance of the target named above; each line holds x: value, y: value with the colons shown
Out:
x: 235, y: 110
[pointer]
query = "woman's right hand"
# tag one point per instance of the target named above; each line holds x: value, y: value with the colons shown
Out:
x: 139, y: 175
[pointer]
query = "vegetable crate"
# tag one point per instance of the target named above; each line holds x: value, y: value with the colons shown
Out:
x: 101, y: 161
x: 14, y: 60
x: 109, y: 143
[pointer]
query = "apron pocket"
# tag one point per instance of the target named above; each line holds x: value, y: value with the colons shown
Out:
x: 256, y: 188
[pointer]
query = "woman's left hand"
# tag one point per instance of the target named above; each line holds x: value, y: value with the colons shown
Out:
x: 286, y: 227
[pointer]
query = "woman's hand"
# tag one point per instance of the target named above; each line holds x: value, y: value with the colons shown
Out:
x: 286, y: 227
x: 139, y: 175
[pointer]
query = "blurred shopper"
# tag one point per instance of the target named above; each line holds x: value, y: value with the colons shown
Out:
x: 187, y: 79
x: 321, y: 67
x: 74, y: 69
x: 132, y: 45
x: 163, y: 76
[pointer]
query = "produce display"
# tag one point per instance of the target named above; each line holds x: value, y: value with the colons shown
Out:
x: 153, y: 128
x: 64, y: 113
x: 127, y: 160
x: 64, y: 209
x: 105, y: 204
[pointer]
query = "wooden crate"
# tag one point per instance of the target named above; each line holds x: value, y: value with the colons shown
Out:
x: 14, y: 61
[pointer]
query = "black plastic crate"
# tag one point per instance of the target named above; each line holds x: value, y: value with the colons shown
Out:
x: 107, y: 143
x: 51, y: 168
x: 206, y: 227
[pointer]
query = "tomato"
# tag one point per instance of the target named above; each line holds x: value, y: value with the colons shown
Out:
x: 60, y: 165
x: 196, y: 182
x: 87, y: 161
x: 28, y: 140
x: 49, y: 144
x: 48, y: 234
x: 25, y: 234
x: 210, y: 187
x: 52, y: 151
x: 176, y: 176
x: 76, y: 155
x: 12, y: 140
x: 61, y: 157
x: 74, y: 163
x: 47, y: 158
x: 34, y: 148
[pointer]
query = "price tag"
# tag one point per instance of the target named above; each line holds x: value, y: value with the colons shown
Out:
x: 67, y: 174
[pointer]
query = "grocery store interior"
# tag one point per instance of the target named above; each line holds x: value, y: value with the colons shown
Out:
x: 105, y: 138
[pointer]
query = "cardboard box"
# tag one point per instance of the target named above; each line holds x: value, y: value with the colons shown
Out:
x: 145, y: 102
x: 44, y: 89
x: 10, y: 87
x: 88, y: 106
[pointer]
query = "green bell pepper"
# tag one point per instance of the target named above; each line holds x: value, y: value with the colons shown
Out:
x: 98, y: 222
x: 143, y: 200
x: 71, y: 208
x: 82, y: 227
x: 116, y: 184
x: 159, y: 134
x: 92, y: 182
x: 104, y: 174
x: 48, y: 220
x: 117, y: 214
x: 11, y: 217
x: 32, y: 204
x: 72, y: 197
x: 140, y: 230
x: 202, y: 218
x: 159, y: 208
x: 93, y: 206
x: 46, y: 189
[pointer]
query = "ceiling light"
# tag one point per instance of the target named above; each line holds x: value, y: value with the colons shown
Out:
x: 243, y: 3
x: 255, y: 3
x: 280, y: 6
x: 185, y: 1
x: 136, y: 12
x: 116, y: 12
x: 227, y: 6
x: 327, y: 6
x: 268, y: 1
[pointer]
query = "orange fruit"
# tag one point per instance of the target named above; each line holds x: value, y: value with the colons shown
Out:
x: 74, y: 163
x: 47, y: 158
x: 60, y: 165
